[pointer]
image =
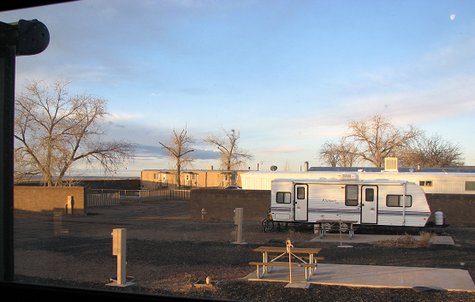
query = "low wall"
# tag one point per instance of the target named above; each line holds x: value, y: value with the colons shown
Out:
x: 38, y: 199
x: 96, y: 183
x: 458, y: 209
x: 220, y: 204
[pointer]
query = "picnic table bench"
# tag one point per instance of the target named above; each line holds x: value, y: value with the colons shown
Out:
x: 323, y: 226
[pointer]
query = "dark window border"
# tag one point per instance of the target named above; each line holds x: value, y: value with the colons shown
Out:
x: 470, y: 186
x: 301, y: 193
x: 393, y: 204
x: 283, y: 198
x: 351, y: 201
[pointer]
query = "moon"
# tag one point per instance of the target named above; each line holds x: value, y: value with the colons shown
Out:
x: 452, y: 17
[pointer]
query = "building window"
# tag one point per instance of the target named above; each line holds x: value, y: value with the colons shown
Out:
x: 425, y: 183
x: 351, y: 195
x: 396, y: 201
x: 470, y: 186
x: 282, y: 197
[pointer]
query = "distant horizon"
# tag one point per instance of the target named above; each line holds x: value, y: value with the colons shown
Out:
x: 467, y: 169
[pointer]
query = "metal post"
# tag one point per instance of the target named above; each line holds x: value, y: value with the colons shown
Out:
x: 119, y: 249
x: 238, y: 217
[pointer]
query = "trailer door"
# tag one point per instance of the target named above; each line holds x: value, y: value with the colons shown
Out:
x: 369, y: 204
x: 300, y: 202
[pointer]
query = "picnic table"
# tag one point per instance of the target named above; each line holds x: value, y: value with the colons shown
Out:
x: 272, y: 256
x: 323, y: 226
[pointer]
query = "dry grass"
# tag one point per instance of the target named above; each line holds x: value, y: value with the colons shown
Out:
x: 407, y: 241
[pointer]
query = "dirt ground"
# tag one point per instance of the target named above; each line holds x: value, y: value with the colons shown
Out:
x: 167, y: 253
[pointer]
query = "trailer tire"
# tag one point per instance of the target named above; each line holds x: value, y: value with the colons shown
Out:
x: 344, y: 227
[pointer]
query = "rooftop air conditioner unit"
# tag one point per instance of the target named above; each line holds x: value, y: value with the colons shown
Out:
x: 390, y: 164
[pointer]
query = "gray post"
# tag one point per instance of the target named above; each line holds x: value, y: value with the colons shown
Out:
x: 238, y: 217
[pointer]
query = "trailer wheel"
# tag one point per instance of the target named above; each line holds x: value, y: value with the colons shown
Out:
x: 267, y: 225
x: 327, y: 227
x: 344, y: 227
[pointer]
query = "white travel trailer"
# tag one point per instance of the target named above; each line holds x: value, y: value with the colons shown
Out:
x: 365, y: 202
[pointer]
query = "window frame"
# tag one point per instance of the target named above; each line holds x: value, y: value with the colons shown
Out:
x: 372, y: 195
x: 300, y: 193
x: 399, y: 199
x: 425, y: 183
x: 352, y: 200
x: 469, y: 185
x: 284, y: 194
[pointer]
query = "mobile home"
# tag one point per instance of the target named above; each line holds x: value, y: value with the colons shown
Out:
x: 366, y: 202
x: 432, y: 181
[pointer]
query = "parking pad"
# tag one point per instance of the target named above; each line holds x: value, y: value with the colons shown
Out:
x: 372, y: 238
x: 376, y: 276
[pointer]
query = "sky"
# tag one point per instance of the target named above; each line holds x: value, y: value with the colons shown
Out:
x: 288, y: 75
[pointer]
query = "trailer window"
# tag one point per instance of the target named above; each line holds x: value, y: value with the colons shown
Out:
x: 396, y: 201
x: 369, y: 194
x: 282, y: 197
x: 300, y: 192
x: 351, y: 195
x: 425, y: 183
x: 470, y: 186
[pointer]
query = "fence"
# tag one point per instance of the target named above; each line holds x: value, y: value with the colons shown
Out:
x: 105, y: 197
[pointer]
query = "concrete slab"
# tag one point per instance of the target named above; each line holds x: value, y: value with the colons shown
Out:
x: 302, y: 285
x: 376, y: 276
x: 371, y: 238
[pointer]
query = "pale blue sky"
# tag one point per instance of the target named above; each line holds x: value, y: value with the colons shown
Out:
x: 288, y: 74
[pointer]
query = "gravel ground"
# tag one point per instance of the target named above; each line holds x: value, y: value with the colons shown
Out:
x: 167, y: 252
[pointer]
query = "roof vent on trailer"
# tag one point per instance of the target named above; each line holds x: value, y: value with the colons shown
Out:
x: 347, y: 176
x: 390, y: 164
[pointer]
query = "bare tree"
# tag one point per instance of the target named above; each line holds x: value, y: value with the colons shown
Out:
x: 377, y: 138
x: 329, y: 154
x: 342, y: 154
x: 179, y: 149
x: 53, y: 131
x: 431, y: 151
x: 231, y: 156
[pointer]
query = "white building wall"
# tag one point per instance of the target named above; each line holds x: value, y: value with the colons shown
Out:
x: 442, y: 183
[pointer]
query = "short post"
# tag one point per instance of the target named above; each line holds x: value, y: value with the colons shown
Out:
x: 119, y: 249
x: 70, y: 205
x: 203, y: 213
x: 238, y: 217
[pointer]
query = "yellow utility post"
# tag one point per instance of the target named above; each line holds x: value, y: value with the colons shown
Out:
x: 119, y: 249
x: 70, y: 205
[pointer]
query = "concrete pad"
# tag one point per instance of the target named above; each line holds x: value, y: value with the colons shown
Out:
x: 371, y: 238
x: 376, y: 276
x: 302, y: 285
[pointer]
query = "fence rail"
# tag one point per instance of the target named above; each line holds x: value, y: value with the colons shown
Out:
x: 106, y: 197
